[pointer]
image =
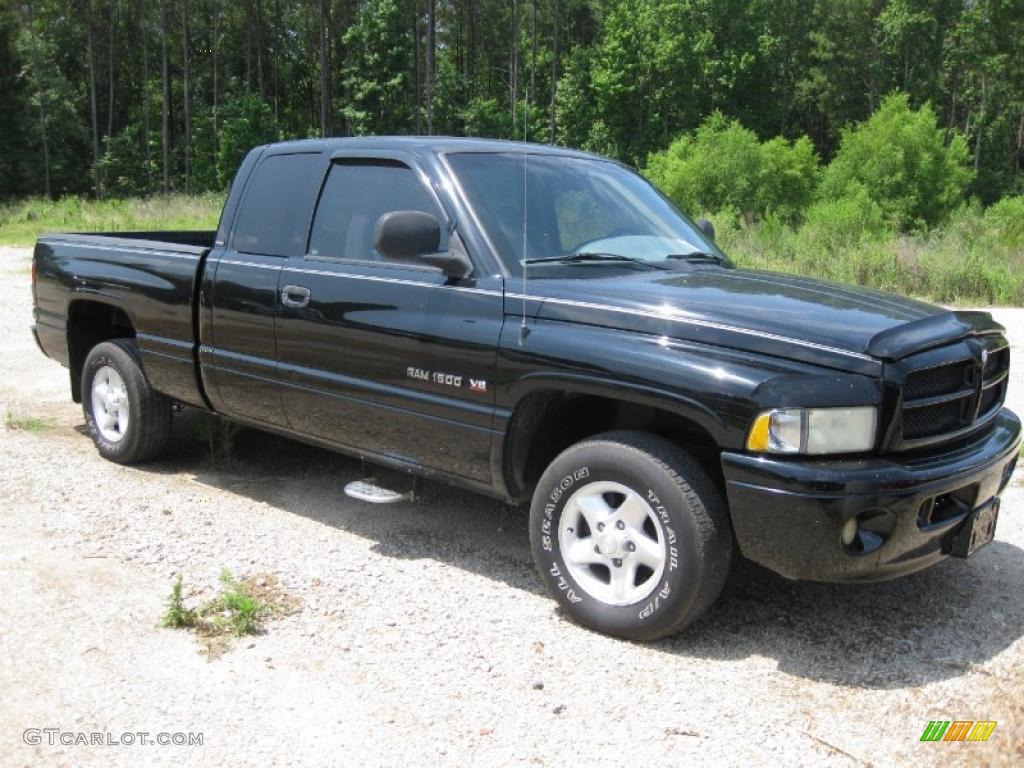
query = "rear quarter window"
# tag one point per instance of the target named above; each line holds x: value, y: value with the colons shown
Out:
x: 278, y: 201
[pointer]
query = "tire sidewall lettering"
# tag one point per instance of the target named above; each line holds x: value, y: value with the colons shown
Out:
x: 555, y: 496
x: 557, y: 493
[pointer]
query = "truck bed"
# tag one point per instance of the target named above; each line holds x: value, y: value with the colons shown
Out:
x: 148, y: 279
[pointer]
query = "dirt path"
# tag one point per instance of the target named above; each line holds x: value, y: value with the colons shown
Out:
x: 424, y: 636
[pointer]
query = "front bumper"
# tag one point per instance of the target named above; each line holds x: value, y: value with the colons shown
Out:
x: 789, y: 514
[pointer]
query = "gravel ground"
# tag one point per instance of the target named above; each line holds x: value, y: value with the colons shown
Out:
x: 424, y: 635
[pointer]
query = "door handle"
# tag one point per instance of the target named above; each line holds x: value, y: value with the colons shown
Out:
x: 294, y: 296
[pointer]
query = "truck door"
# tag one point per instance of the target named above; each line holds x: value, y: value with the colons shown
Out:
x: 238, y: 355
x: 384, y: 358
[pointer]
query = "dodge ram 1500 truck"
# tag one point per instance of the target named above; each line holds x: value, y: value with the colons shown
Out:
x: 541, y: 324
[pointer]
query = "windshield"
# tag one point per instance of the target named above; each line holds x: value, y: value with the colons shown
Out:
x: 557, y: 211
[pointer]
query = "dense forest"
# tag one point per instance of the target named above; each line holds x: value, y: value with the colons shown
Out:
x: 130, y: 97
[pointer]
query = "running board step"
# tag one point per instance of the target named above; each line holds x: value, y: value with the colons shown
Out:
x: 366, y: 490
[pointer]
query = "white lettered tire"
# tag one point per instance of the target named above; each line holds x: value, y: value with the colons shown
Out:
x: 630, y: 535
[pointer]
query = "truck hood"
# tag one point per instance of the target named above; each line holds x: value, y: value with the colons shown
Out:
x: 816, y: 321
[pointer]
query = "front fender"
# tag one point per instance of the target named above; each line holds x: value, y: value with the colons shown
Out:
x: 637, y: 393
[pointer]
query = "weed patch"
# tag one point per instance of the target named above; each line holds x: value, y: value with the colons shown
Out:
x: 240, y: 607
x: 218, y: 436
x: 27, y: 423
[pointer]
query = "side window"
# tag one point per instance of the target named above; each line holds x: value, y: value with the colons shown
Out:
x: 275, y: 209
x: 355, y: 196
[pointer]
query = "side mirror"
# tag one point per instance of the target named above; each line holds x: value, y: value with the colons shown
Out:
x: 706, y: 227
x: 415, y: 236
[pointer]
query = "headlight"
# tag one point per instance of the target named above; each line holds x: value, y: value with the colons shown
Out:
x: 814, y: 430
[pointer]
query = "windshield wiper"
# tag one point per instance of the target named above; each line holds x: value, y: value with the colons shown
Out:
x: 573, y: 258
x: 699, y: 257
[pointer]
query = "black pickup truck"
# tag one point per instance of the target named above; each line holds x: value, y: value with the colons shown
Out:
x: 541, y: 325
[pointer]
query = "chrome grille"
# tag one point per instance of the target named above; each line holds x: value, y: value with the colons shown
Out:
x: 947, y: 399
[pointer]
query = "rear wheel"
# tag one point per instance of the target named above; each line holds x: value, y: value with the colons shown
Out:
x: 630, y: 535
x: 128, y: 420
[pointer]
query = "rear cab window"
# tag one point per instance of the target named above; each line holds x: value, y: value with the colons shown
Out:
x: 274, y: 217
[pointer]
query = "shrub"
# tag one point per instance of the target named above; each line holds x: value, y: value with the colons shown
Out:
x: 1005, y: 221
x: 839, y: 223
x: 898, y: 155
x: 723, y: 165
x: 788, y: 178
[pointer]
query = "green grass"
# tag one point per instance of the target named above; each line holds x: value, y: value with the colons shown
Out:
x: 240, y: 608
x: 27, y: 423
x: 975, y: 259
x: 21, y: 222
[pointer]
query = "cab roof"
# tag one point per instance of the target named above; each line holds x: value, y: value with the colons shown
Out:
x: 428, y: 145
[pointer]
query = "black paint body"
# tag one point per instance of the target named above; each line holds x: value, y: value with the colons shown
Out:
x: 706, y: 348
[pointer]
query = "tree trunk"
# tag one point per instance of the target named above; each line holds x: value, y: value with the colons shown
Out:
x: 532, y: 98
x: 144, y: 34
x: 431, y: 43
x: 40, y: 95
x: 216, y: 83
x: 513, y: 64
x: 471, y: 54
x: 185, y: 95
x: 979, y: 127
x: 165, y: 107
x: 554, y: 73
x: 325, y: 74
x: 416, y: 66
x: 248, y: 46
x: 259, y: 47
x: 110, y: 69
x: 92, y: 97
x: 277, y: 25
x: 1020, y: 147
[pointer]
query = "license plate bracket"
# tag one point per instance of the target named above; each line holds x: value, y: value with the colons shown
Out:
x: 978, y: 530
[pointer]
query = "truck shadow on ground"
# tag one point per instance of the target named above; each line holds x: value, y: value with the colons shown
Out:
x: 934, y: 625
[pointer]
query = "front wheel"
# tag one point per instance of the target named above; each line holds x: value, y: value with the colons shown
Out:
x: 128, y: 420
x: 630, y: 535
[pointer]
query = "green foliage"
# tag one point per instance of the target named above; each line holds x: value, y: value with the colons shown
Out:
x: 1005, y: 220
x: 723, y: 165
x: 900, y: 157
x: 124, y: 168
x: 243, y: 611
x: 240, y: 607
x: 974, y: 259
x: 177, y: 616
x: 247, y: 123
x: 487, y: 117
x: 378, y: 47
x: 844, y: 222
x: 619, y: 77
x: 787, y: 177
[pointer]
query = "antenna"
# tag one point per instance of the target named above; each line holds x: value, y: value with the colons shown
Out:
x: 523, y: 330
